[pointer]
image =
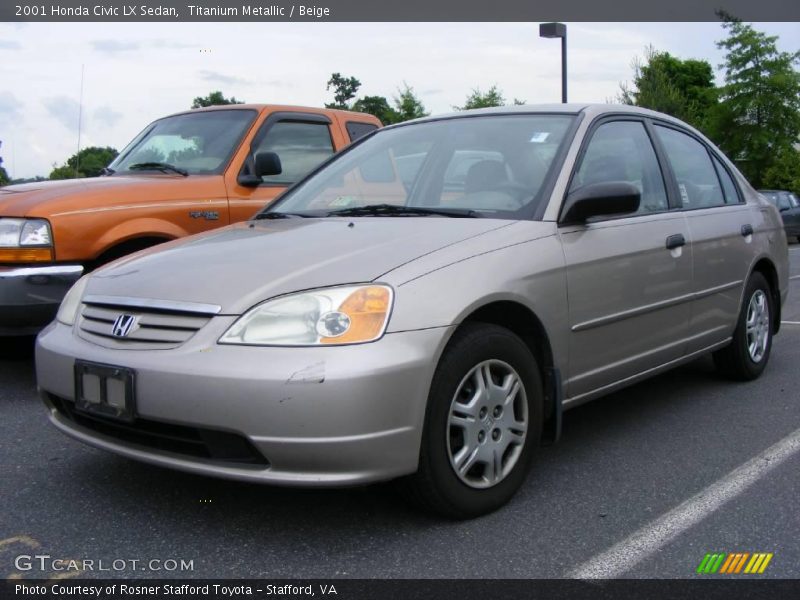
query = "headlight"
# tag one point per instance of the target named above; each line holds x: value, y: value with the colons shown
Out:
x: 71, y: 302
x: 15, y: 233
x: 25, y: 241
x: 330, y: 316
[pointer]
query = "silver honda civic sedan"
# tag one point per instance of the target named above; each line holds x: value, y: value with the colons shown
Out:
x: 425, y: 305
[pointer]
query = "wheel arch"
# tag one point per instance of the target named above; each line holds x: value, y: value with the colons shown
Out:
x: 126, y: 246
x: 766, y: 267
x: 523, y: 322
x: 136, y: 229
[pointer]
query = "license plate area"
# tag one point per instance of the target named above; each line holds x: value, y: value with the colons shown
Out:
x: 105, y: 390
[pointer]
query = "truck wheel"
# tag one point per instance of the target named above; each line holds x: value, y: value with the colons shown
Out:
x: 748, y: 353
x: 482, y: 426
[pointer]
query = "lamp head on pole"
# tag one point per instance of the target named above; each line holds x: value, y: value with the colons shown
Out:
x: 552, y: 30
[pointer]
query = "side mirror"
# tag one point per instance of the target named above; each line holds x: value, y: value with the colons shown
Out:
x: 596, y: 199
x: 264, y: 164
x: 267, y: 163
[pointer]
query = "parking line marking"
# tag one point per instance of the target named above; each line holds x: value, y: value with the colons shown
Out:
x: 790, y: 322
x: 795, y: 277
x: 628, y: 553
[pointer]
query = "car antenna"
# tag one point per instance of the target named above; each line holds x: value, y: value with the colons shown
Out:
x: 80, y: 113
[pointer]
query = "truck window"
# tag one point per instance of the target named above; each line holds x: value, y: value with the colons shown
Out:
x: 201, y: 142
x: 300, y: 146
x: 356, y: 130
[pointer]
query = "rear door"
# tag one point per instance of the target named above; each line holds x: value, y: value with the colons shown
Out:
x: 301, y: 140
x: 721, y: 229
x: 628, y: 292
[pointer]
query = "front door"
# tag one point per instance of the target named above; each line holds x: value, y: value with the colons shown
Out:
x: 628, y: 279
x: 301, y: 141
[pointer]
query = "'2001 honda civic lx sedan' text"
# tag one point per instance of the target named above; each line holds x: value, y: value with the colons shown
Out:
x: 423, y: 306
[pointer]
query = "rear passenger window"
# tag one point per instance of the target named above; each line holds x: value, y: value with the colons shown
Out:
x: 300, y: 146
x: 728, y: 187
x: 622, y: 151
x: 697, y: 179
x: 356, y: 130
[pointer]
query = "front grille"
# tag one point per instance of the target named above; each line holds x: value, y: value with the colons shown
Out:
x: 155, y: 328
x: 195, y: 442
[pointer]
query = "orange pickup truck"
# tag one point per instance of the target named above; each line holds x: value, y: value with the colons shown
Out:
x: 184, y: 174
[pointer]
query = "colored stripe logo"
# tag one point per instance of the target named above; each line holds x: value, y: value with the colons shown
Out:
x: 734, y: 563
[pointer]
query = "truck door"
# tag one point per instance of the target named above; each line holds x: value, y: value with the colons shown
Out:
x: 301, y: 140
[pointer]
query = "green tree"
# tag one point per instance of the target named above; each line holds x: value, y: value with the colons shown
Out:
x: 784, y: 173
x: 681, y: 88
x: 477, y: 99
x: 758, y: 119
x: 89, y: 162
x: 344, y: 90
x: 492, y: 97
x: 4, y: 179
x: 407, y: 105
x: 214, y: 99
x: 378, y: 106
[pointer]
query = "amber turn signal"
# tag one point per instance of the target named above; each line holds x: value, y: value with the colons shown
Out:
x: 367, y: 308
x: 26, y: 255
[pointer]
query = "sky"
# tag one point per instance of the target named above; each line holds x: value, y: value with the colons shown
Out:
x: 136, y: 72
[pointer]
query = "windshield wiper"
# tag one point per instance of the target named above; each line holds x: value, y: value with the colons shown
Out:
x: 158, y: 166
x: 391, y: 210
x: 280, y: 215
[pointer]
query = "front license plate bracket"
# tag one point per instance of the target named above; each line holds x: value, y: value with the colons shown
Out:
x: 105, y: 390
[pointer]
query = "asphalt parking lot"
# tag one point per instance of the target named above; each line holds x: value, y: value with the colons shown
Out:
x: 658, y: 457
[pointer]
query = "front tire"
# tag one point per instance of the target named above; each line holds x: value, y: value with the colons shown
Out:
x: 748, y: 353
x: 482, y: 426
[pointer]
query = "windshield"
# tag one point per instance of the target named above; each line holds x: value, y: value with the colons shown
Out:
x: 195, y: 143
x: 491, y: 166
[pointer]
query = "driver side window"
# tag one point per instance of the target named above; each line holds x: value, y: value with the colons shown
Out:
x: 622, y: 151
x: 300, y: 146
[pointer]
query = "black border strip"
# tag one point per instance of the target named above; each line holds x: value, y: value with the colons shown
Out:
x: 406, y: 11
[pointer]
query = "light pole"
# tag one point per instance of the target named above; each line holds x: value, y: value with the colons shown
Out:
x: 558, y: 30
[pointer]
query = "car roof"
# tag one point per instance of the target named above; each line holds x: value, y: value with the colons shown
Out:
x: 271, y: 107
x: 591, y: 110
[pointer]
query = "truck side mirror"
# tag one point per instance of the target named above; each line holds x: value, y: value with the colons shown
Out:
x: 263, y: 165
x: 267, y: 163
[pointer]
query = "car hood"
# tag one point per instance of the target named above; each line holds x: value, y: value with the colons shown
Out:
x: 238, y: 266
x: 45, y: 198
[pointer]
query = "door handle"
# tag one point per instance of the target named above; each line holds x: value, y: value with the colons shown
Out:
x: 747, y: 230
x: 675, y: 241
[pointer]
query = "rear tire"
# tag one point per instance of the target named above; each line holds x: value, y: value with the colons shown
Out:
x: 482, y: 425
x: 748, y: 353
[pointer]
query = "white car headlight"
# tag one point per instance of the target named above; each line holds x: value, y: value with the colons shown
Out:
x: 68, y: 310
x: 16, y: 233
x: 330, y: 316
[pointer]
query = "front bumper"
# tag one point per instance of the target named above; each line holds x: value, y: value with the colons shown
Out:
x: 30, y: 296
x: 322, y: 416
